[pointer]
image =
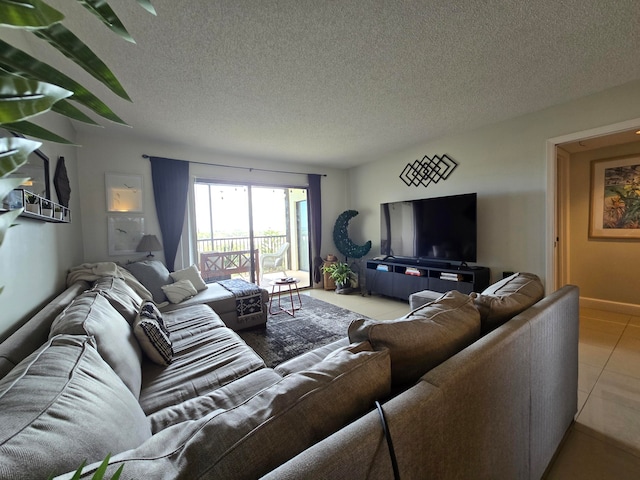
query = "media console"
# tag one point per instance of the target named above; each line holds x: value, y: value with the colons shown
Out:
x: 400, y: 278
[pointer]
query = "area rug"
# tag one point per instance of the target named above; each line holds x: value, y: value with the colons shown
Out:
x: 317, y: 323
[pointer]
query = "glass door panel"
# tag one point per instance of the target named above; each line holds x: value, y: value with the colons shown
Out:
x: 258, y: 233
x: 223, y: 232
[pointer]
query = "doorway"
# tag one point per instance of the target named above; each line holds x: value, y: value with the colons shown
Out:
x: 255, y: 232
x: 558, y: 240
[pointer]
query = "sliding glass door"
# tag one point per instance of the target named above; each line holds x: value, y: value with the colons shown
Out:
x: 259, y: 233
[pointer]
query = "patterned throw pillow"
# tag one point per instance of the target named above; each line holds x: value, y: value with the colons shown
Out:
x: 150, y: 310
x: 152, y: 334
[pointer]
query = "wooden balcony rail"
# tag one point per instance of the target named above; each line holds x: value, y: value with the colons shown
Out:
x: 221, y: 265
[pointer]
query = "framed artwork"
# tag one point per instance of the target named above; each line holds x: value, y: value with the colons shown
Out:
x: 124, y: 233
x: 615, y: 198
x: 124, y: 192
x: 36, y: 169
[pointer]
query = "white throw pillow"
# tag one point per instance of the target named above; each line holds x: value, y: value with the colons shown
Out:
x: 179, y: 291
x: 193, y: 275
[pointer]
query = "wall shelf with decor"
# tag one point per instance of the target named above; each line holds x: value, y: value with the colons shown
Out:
x: 36, y: 207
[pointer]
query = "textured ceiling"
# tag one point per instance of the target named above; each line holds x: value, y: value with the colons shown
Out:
x: 337, y: 82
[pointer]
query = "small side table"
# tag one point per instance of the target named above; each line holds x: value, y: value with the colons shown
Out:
x: 291, y: 284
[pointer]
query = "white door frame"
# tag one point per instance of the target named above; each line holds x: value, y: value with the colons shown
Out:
x: 552, y: 188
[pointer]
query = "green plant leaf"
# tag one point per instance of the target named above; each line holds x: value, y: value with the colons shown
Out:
x: 20, y: 63
x: 100, y: 472
x: 22, y: 98
x: 6, y: 221
x: 146, y: 4
x: 72, y: 47
x: 67, y: 109
x: 103, y: 11
x: 28, y: 14
x: 14, y: 152
x: 33, y: 130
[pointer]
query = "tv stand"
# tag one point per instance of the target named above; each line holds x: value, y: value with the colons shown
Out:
x: 399, y: 278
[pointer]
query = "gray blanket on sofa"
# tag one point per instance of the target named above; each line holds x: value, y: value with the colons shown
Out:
x: 248, y: 297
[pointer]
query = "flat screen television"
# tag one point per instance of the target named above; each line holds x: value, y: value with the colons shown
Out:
x: 442, y: 229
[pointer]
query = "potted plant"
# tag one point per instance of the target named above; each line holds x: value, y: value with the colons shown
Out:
x: 47, y: 208
x: 341, y: 274
x: 58, y: 212
x: 32, y: 202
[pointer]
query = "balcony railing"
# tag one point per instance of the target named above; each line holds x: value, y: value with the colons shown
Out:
x: 221, y: 258
x: 264, y: 244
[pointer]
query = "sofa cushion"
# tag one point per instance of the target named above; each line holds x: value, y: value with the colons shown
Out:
x: 505, y: 299
x: 179, y: 291
x: 312, y: 357
x: 193, y: 275
x: 91, y: 314
x: 61, y: 405
x: 153, y: 275
x: 274, y: 425
x: 206, y: 357
x: 423, y: 338
x: 224, y: 398
x: 120, y: 295
x: 215, y: 295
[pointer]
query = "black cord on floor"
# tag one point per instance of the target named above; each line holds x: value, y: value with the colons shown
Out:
x: 387, y: 434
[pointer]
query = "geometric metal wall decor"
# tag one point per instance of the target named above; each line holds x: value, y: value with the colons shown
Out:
x: 427, y: 170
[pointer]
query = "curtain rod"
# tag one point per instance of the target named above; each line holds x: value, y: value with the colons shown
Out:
x: 144, y: 155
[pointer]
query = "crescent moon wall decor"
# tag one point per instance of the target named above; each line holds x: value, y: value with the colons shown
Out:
x: 427, y: 170
x: 341, y: 237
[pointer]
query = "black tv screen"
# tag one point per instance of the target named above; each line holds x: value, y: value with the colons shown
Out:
x: 441, y: 228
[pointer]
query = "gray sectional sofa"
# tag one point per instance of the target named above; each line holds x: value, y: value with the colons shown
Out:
x: 76, y: 383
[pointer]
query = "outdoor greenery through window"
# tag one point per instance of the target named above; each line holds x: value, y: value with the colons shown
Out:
x: 259, y: 233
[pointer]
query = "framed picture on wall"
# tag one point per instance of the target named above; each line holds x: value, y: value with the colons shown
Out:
x: 124, y: 192
x: 615, y: 198
x: 124, y: 233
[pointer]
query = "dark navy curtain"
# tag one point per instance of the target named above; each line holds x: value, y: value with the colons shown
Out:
x: 315, y: 216
x: 170, y: 187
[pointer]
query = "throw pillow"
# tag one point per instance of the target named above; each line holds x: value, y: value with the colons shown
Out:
x: 91, y: 314
x: 193, y: 275
x: 149, y: 309
x: 179, y: 291
x: 61, y: 405
x: 424, y: 338
x: 120, y: 295
x: 153, y: 275
x: 505, y: 299
x: 153, y: 340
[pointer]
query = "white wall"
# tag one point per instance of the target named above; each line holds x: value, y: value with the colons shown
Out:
x: 505, y: 164
x: 108, y: 155
x: 36, y: 255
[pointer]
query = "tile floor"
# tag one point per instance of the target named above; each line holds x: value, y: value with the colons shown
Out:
x: 604, y: 442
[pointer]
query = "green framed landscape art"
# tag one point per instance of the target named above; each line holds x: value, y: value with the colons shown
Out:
x: 615, y: 198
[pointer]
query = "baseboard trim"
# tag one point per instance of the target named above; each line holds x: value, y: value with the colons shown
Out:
x: 618, y: 307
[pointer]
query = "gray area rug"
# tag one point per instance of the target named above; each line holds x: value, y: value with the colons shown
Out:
x: 317, y: 323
